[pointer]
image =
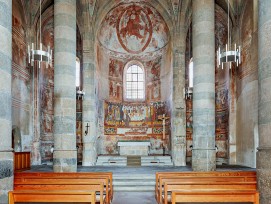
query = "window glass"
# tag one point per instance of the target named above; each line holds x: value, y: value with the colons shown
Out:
x: 77, y: 81
x: 134, y: 82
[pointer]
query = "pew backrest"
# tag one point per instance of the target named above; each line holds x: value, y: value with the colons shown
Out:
x: 52, y: 196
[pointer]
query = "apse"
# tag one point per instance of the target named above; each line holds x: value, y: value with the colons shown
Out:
x: 133, y: 77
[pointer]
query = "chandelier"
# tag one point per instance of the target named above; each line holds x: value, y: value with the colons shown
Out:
x: 229, y: 56
x: 39, y: 55
x: 80, y: 94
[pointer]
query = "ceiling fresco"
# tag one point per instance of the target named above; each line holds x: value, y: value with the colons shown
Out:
x: 133, y: 28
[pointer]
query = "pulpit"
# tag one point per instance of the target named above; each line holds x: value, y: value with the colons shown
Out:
x: 138, y: 148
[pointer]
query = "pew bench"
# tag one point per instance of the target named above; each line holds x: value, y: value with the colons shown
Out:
x: 31, y: 196
x: 78, y: 175
x: 162, y: 177
x: 199, y: 188
x: 159, y: 175
x: 215, y: 196
x: 182, y: 179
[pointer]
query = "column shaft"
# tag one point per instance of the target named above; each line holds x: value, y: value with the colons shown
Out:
x: 203, y: 154
x: 89, y: 110
x: 178, y: 120
x: 264, y: 115
x: 65, y: 154
x: 6, y: 155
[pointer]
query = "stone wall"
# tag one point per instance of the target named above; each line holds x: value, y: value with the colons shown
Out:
x: 21, y: 82
x: 247, y: 91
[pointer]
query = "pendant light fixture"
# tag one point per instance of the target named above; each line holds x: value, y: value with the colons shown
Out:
x: 229, y: 56
x: 39, y: 55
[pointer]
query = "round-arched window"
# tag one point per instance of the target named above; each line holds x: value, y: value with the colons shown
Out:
x: 134, y: 82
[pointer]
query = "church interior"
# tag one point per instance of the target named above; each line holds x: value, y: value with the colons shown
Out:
x: 135, y: 94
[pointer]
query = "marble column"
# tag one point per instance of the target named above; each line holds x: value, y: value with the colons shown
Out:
x: 264, y: 108
x: 89, y: 106
x: 6, y: 155
x: 203, y: 154
x: 178, y: 119
x: 65, y: 153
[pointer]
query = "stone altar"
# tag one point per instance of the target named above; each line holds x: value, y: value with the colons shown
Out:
x: 139, y: 148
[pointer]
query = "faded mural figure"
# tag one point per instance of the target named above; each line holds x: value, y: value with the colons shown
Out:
x: 134, y: 29
x: 134, y: 26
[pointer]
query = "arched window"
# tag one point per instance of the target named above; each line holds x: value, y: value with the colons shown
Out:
x: 191, y: 73
x: 78, y: 75
x: 134, y: 80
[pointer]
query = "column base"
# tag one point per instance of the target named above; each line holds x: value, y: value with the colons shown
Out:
x: 6, y: 175
x: 264, y: 174
x: 204, y: 159
x: 65, y: 161
x: 89, y: 154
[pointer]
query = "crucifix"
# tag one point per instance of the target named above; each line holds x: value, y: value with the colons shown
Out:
x: 86, y: 132
x: 163, y: 118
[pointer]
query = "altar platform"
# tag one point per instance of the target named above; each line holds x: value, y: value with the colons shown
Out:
x: 157, y: 160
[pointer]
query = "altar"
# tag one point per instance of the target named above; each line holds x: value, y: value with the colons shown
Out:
x: 130, y: 147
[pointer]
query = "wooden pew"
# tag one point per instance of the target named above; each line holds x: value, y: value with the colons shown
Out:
x: 247, y: 176
x: 81, y: 175
x: 62, y: 184
x: 52, y: 196
x: 215, y: 196
x: 208, y: 188
x: 185, y: 179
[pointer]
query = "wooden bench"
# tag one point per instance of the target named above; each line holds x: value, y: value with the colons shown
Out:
x: 79, y: 175
x: 215, y: 196
x: 21, y: 161
x: 178, y: 178
x: 206, y: 187
x: 67, y: 182
x: 52, y: 196
x: 187, y: 179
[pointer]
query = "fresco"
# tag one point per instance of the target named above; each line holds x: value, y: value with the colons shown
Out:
x: 153, y: 69
x: 115, y: 79
x: 153, y: 83
x: 134, y: 119
x: 133, y: 28
x: 21, y: 80
x: 249, y: 44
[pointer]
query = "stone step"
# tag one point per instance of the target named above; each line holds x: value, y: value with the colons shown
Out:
x: 156, y: 164
x: 134, y: 177
x: 156, y: 157
x: 134, y: 183
x: 112, y: 164
x: 134, y: 188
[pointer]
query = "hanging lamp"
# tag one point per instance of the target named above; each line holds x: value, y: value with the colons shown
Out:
x: 229, y: 56
x: 39, y: 55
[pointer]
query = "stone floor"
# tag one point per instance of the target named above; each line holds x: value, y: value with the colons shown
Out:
x: 140, y: 170
x: 134, y: 198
